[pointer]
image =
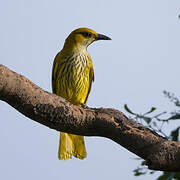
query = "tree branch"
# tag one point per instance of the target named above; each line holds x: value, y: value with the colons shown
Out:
x: 57, y: 113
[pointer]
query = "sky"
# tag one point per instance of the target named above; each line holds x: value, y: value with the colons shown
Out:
x: 140, y: 62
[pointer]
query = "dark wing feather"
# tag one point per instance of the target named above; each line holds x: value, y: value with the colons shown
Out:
x: 54, y: 74
x: 91, y: 79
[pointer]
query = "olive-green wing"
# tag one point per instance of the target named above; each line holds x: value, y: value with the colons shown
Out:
x: 54, y: 74
x: 91, y: 79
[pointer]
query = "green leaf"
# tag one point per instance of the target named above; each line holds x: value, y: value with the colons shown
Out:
x: 143, y: 163
x: 177, y: 116
x: 175, y: 134
x: 139, y: 173
x: 147, y: 119
x: 163, y: 177
x: 150, y: 111
x: 177, y: 176
x: 128, y: 110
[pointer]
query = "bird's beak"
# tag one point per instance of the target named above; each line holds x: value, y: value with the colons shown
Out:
x: 102, y: 37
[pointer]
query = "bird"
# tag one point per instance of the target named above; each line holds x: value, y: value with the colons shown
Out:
x: 72, y: 77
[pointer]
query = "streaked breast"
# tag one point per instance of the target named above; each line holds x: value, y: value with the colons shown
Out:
x: 74, y: 78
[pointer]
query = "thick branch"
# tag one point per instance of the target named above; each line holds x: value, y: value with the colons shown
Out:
x: 56, y: 113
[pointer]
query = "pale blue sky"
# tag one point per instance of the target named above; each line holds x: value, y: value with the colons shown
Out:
x: 135, y: 67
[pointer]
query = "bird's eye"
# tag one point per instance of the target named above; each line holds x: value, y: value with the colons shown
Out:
x: 86, y: 34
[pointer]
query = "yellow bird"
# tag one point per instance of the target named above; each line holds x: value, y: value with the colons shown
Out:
x: 72, y: 78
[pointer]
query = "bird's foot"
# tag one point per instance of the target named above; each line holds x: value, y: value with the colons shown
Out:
x: 85, y: 106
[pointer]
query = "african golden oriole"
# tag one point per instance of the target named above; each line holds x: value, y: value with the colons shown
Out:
x: 72, y: 78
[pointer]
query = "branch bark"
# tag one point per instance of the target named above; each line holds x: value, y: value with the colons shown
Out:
x: 57, y: 113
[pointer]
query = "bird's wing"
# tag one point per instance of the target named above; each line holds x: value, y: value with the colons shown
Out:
x: 91, y: 79
x: 54, y: 73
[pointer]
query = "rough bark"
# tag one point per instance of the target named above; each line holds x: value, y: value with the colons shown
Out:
x: 57, y: 113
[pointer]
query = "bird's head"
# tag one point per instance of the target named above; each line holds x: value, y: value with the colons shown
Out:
x: 83, y: 37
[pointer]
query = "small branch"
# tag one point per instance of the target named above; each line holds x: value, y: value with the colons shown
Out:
x: 57, y: 113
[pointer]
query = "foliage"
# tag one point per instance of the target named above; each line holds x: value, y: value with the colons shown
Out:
x: 156, y: 121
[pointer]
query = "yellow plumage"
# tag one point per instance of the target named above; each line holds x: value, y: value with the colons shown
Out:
x: 72, y: 78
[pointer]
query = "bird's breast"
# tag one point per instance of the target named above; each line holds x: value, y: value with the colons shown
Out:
x: 74, y: 78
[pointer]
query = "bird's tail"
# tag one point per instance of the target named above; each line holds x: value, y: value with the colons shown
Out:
x: 70, y: 144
